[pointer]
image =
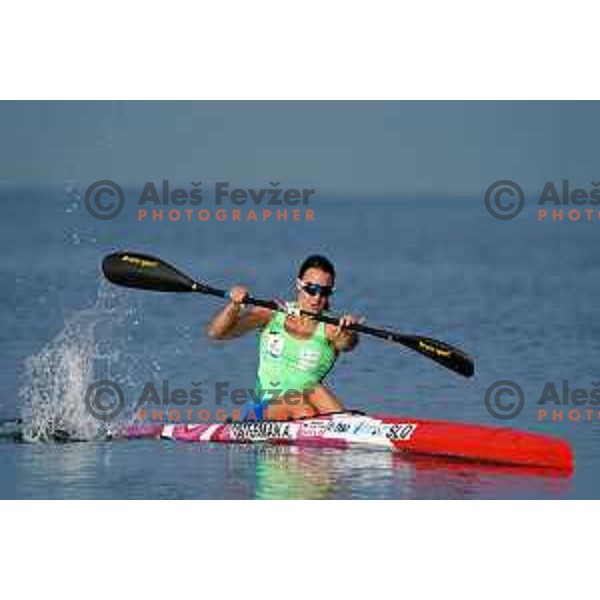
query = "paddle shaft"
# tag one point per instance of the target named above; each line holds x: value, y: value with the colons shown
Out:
x: 440, y: 352
x: 270, y: 304
x: 146, y: 272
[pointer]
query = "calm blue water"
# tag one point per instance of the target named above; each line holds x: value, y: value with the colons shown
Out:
x: 520, y: 296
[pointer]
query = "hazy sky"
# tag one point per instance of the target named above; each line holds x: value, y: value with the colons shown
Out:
x: 342, y: 147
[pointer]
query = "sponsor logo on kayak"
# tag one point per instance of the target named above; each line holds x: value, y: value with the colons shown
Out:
x: 339, y: 427
x: 564, y: 201
x: 357, y: 426
x: 166, y: 202
x: 266, y: 430
x: 314, y: 428
x: 367, y: 427
x: 561, y: 401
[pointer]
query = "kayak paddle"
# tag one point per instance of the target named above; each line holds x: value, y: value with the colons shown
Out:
x: 145, y: 272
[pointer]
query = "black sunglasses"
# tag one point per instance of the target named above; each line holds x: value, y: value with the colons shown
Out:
x: 316, y: 289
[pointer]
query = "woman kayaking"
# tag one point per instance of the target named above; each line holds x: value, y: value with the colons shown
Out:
x: 295, y: 352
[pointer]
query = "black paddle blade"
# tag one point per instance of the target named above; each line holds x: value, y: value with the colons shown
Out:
x: 444, y: 354
x: 145, y: 272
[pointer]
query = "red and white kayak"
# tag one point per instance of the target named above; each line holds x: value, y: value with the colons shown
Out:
x: 480, y: 443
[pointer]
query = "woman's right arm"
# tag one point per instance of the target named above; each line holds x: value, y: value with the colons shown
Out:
x: 233, y: 321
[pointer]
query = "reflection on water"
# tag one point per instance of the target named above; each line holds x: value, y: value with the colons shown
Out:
x: 286, y: 472
x: 294, y: 472
x: 60, y: 470
x: 163, y: 469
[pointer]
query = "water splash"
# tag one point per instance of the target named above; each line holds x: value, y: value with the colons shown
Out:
x: 89, y: 348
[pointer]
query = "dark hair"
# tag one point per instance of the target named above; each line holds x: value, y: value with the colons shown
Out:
x: 316, y: 261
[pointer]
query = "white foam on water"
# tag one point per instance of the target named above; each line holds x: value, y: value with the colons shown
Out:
x: 56, y: 379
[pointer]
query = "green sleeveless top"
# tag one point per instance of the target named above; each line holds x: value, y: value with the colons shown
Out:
x: 286, y: 362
